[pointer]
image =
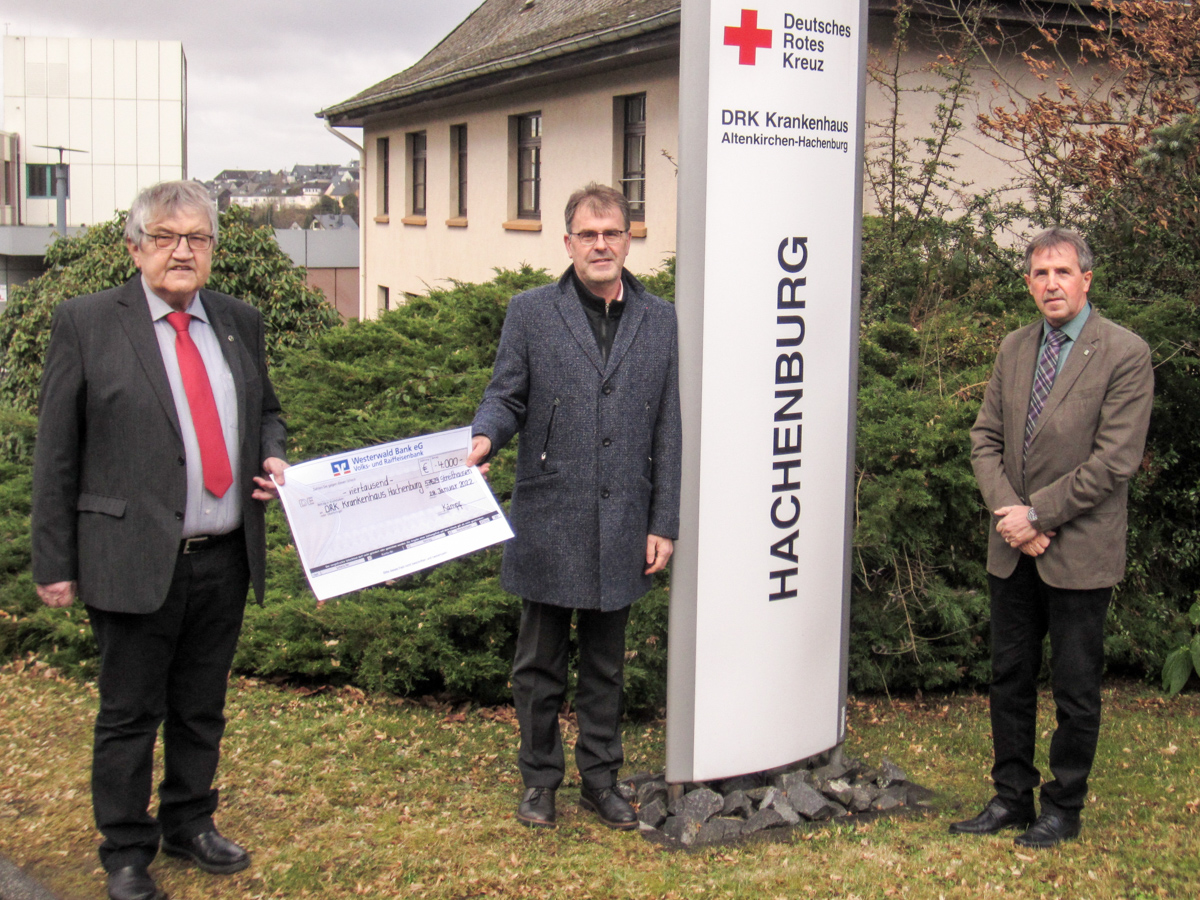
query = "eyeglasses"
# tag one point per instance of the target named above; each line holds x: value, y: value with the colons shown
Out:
x: 588, y: 238
x: 170, y: 240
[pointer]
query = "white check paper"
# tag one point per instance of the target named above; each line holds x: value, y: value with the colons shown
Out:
x: 370, y: 515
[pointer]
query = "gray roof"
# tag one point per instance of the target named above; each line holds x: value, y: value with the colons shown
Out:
x: 503, y: 39
x: 506, y: 41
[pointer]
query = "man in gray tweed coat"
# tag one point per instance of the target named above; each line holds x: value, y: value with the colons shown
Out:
x: 587, y: 373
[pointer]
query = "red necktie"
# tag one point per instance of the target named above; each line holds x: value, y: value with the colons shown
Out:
x: 214, y: 459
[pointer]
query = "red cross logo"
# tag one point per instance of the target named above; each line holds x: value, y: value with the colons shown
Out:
x: 748, y: 37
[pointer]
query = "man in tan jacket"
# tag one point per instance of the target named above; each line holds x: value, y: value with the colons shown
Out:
x: 1061, y: 431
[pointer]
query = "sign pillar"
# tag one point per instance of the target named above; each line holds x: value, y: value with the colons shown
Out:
x: 770, y: 208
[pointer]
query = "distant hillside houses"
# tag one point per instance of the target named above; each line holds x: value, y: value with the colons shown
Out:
x: 300, y: 188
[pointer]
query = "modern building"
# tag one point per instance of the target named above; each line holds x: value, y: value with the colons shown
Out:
x: 470, y: 154
x: 114, y: 111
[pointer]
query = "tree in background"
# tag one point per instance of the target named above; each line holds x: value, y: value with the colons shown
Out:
x: 350, y: 206
x: 247, y: 263
x: 1109, y: 143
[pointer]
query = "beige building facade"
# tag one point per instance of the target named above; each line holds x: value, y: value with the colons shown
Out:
x: 471, y: 154
x: 580, y: 140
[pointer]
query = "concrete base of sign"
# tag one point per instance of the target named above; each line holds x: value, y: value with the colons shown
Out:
x: 828, y: 787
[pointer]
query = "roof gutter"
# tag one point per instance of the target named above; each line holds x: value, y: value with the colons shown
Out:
x: 562, y: 48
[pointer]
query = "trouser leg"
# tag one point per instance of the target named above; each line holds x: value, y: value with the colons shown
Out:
x: 196, y: 687
x: 135, y: 657
x: 599, y: 696
x: 539, y: 684
x: 1077, y: 664
x: 1018, y: 629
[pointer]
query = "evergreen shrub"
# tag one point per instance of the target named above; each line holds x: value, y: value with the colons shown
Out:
x: 937, y: 300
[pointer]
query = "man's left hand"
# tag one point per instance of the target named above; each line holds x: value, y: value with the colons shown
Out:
x: 1014, y: 525
x: 266, y: 490
x: 658, y: 551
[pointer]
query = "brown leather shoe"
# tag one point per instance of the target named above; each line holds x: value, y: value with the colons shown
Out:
x: 537, y: 808
x: 211, y: 851
x: 613, y: 810
x: 133, y: 883
x: 995, y: 817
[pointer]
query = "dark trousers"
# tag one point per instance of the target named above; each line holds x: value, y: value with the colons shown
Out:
x: 1024, y: 610
x: 170, y: 668
x: 539, y: 683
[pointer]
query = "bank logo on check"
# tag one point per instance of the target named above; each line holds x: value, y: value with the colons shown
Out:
x: 340, y: 467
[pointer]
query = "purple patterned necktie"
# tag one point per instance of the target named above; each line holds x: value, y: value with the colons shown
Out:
x: 1043, y: 381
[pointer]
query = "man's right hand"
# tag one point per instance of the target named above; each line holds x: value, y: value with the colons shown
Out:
x: 481, y: 448
x: 1036, y: 546
x: 58, y: 594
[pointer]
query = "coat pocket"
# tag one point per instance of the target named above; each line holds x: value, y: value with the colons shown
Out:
x: 98, y: 503
x: 549, y: 432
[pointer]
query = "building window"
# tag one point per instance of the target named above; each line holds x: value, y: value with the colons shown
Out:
x: 385, y: 298
x: 382, y: 182
x: 633, y: 170
x: 416, y: 149
x: 458, y: 162
x: 529, y: 166
x: 39, y: 180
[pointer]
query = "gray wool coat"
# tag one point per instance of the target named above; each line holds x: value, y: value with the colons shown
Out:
x: 599, y: 454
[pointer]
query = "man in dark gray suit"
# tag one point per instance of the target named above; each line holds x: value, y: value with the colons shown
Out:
x: 587, y: 372
x: 158, y: 429
x: 1060, y: 433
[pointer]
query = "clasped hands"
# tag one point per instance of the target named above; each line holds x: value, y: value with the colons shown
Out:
x: 1014, y: 526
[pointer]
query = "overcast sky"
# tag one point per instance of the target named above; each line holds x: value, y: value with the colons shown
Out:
x: 258, y: 70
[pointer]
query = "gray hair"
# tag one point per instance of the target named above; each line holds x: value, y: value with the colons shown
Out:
x: 1059, y: 237
x: 165, y: 198
x: 597, y: 198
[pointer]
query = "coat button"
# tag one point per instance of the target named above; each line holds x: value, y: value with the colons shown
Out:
x: 182, y: 461
x: 607, y: 442
x: 607, y: 390
x: 179, y: 516
x: 604, y: 494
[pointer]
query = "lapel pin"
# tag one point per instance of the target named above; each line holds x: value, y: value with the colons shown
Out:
x: 231, y: 340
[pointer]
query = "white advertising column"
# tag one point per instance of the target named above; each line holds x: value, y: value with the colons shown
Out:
x: 770, y: 207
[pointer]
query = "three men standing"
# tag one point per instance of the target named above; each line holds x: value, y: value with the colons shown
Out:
x: 158, y: 425
x: 587, y: 373
x: 1061, y: 431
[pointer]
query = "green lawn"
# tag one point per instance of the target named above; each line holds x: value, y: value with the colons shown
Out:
x: 340, y: 795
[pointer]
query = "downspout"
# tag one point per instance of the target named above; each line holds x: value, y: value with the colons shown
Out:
x: 362, y: 232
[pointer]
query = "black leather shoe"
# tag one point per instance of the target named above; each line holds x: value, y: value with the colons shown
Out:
x: 1049, y: 829
x: 133, y: 883
x: 995, y: 817
x: 613, y: 810
x: 537, y: 808
x: 211, y: 851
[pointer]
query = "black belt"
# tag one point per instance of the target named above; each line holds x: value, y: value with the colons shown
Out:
x: 202, y: 542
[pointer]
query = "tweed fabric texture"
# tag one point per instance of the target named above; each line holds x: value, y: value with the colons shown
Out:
x: 1087, y: 444
x: 598, y: 458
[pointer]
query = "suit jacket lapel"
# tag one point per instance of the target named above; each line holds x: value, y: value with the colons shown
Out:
x: 134, y: 315
x: 635, y: 311
x: 571, y: 309
x: 1081, y: 354
x: 1023, y: 374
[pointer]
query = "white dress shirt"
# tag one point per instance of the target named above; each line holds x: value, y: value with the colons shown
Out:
x: 205, y: 512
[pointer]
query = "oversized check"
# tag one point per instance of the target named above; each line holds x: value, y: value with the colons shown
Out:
x: 370, y: 515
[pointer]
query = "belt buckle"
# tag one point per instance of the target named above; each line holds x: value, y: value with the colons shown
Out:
x: 192, y: 544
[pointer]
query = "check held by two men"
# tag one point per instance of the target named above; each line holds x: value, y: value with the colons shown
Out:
x: 370, y: 515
